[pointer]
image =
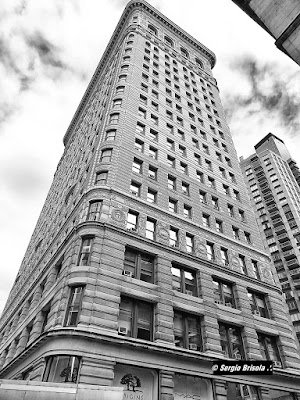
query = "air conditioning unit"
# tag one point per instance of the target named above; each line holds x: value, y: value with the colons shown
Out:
x: 228, y: 304
x: 127, y: 273
x: 218, y: 302
x: 122, y: 330
x: 237, y: 356
x: 193, y: 346
x: 189, y: 292
x: 277, y: 364
x: 256, y: 312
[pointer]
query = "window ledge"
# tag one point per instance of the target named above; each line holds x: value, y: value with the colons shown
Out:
x: 229, y: 309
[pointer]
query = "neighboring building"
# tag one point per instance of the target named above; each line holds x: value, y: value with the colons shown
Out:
x: 281, y: 19
x: 146, y: 264
x: 272, y: 178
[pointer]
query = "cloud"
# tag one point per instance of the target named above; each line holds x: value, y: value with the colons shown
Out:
x: 268, y: 94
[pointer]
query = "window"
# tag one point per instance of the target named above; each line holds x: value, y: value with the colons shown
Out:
x: 74, y: 306
x: 182, y: 150
x: 189, y: 243
x: 206, y: 220
x: 150, y: 228
x: 139, y: 145
x: 169, y: 114
x: 224, y: 256
x: 184, y: 280
x: 94, y: 210
x: 223, y: 293
x: 254, y: 268
x: 231, y: 341
x: 137, y: 166
x: 139, y: 265
x: 268, y: 347
x: 153, y: 152
x: 106, y: 156
x: 171, y: 161
x: 142, y: 113
x: 101, y: 178
x: 197, y: 158
x: 85, y: 251
x: 205, y: 149
x: 187, y: 332
x: 135, y: 189
x: 200, y: 176
x: 199, y: 63
x: 154, y: 119
x: 211, y: 182
x: 152, y: 30
x: 228, y: 161
x: 151, y: 195
x: 185, y: 188
x: 243, y: 266
x: 258, y: 304
x: 170, y: 145
x: 247, y: 237
x: 183, y: 168
x: 172, y: 205
x: 114, y: 118
x: 208, y: 165
x: 187, y: 211
x: 195, y: 143
x: 236, y: 233
x: 170, y: 129
x: 219, y: 226
x: 110, y: 135
x: 168, y: 41
x: 132, y: 219
x: 181, y: 134
x: 242, y: 215
x: 215, y: 203
x: 154, y: 94
x: 120, y: 89
x: 184, y: 52
x: 136, y: 318
x: 179, y: 121
x: 171, y: 182
x: 232, y: 177
x: 140, y: 128
x: 210, y: 251
x: 143, y: 99
x: 203, y: 197
x: 230, y: 210
x: 226, y: 190
x: 62, y: 369
x: 117, y: 103
x: 122, y: 78
x: 237, y: 195
x: 219, y: 156
x: 152, y: 172
x: 173, y: 237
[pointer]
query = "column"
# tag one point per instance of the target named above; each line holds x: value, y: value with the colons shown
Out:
x: 166, y: 385
x: 24, y: 311
x: 23, y: 341
x: 3, y: 358
x: 37, y: 326
x: 36, y: 297
x: 220, y: 390
x: 50, y: 279
x: 11, y: 351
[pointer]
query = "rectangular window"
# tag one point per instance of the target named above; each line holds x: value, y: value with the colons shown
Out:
x: 85, y: 251
x: 171, y: 182
x: 139, y: 265
x: 268, y: 347
x: 255, y: 270
x: 106, y: 156
x: 189, y: 243
x: 224, y: 256
x: 136, y: 318
x: 132, y: 219
x: 173, y: 205
x: 226, y: 190
x: 185, y: 188
x: 231, y: 341
x: 184, y: 280
x: 183, y: 168
x: 187, y: 211
x: 258, y: 304
x: 200, y: 176
x: 223, y: 293
x: 210, y: 251
x: 137, y: 166
x: 152, y: 173
x: 215, y: 203
x: 171, y: 161
x: 140, y: 128
x: 236, y: 233
x: 206, y: 220
x: 170, y: 144
x: 230, y: 210
x: 74, y: 306
x: 150, y: 228
x: 203, y: 197
x: 135, y: 189
x: 173, y: 237
x: 219, y: 226
x: 110, y: 135
x: 151, y: 195
x: 153, y: 135
x: 57, y: 364
x: 153, y: 152
x: 247, y: 237
x: 101, y: 178
x: 139, y: 145
x: 187, y: 332
x: 182, y: 150
x: 243, y: 266
x: 94, y: 211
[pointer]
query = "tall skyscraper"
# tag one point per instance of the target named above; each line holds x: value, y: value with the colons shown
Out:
x: 146, y: 264
x: 273, y: 184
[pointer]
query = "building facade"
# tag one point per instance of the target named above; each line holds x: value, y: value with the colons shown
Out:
x: 281, y: 19
x: 273, y: 184
x: 146, y: 264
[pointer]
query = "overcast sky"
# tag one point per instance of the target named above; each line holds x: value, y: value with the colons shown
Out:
x: 49, y: 50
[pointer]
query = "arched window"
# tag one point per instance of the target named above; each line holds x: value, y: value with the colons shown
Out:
x: 152, y: 29
x: 169, y: 41
x: 199, y: 63
x: 184, y: 52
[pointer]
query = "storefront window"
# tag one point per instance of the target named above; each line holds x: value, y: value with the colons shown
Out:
x: 192, y: 387
x: 62, y: 369
x: 237, y: 391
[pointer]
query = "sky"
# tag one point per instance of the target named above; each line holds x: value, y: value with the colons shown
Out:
x: 48, y: 53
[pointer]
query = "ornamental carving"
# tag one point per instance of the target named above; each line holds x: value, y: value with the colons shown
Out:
x: 118, y: 215
x: 266, y: 273
x: 162, y: 232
